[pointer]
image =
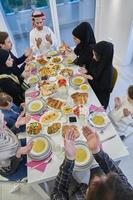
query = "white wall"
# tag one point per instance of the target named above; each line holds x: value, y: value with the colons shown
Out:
x: 114, y: 23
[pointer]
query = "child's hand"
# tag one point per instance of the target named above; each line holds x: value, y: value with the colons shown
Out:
x: 22, y: 105
x: 117, y: 103
x: 126, y: 112
x: 22, y: 120
x: 24, y: 150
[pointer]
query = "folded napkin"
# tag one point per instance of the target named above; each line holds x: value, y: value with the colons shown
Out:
x: 94, y: 108
x: 35, y: 117
x: 38, y: 165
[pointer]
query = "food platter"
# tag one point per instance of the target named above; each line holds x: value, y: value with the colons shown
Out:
x: 54, y: 128
x: 55, y: 103
x: 34, y: 128
x: 56, y: 59
x: 84, y: 156
x: 66, y: 72
x: 33, y: 80
x: 35, y: 106
x: 50, y: 117
x: 51, y: 53
x: 98, y: 119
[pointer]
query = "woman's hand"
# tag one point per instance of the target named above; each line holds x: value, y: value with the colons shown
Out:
x: 69, y: 144
x: 87, y: 76
x: 28, y: 52
x: 82, y: 70
x: 92, y: 138
x: 24, y: 150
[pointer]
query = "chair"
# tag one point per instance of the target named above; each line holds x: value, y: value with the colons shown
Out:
x: 114, y: 77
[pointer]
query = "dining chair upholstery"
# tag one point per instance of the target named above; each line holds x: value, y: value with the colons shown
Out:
x: 114, y: 77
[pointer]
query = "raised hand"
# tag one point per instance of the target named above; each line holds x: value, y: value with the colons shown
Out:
x: 22, y: 120
x: 126, y: 112
x: 69, y: 144
x: 117, y: 103
x: 38, y: 42
x: 48, y: 38
x: 28, y: 52
x: 92, y: 138
x: 24, y: 150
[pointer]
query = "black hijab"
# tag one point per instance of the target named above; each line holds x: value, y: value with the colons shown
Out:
x: 83, y: 50
x: 4, y: 54
x: 102, y: 70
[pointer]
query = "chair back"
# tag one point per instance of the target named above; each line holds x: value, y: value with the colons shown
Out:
x: 114, y: 77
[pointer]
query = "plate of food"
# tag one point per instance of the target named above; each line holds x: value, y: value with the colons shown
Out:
x: 34, y: 128
x: 35, y: 106
x: 51, y: 53
x: 66, y: 72
x: 68, y: 61
x: 54, y: 103
x: 79, y: 98
x: 48, y: 88
x: 47, y: 71
x: 66, y: 127
x: 54, y: 128
x: 50, y: 117
x: 56, y: 59
x: 83, y: 158
x: 98, y: 119
x: 41, y: 148
x: 41, y: 60
x: 84, y: 87
x: 33, y: 80
x: 67, y: 110
x: 77, y: 80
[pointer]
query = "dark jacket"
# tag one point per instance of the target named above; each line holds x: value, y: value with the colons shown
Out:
x: 102, y: 71
x: 83, y: 50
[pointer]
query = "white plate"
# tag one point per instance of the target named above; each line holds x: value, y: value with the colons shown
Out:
x: 103, y: 115
x: 55, y: 98
x: 50, y: 121
x: 80, y: 166
x: 45, y: 148
x: 61, y: 59
x: 72, y: 79
x: 31, y: 103
x: 52, y: 53
x: 35, y: 78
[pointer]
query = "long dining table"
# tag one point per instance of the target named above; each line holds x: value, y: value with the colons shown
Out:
x: 109, y: 138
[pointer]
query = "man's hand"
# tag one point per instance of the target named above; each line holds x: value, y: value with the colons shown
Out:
x: 28, y: 52
x: 126, y: 112
x: 69, y: 144
x: 92, y: 138
x: 48, y: 38
x: 117, y: 103
x: 24, y: 150
x: 38, y: 42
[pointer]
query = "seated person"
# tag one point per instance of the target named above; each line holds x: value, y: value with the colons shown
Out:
x: 10, y: 83
x: 13, y: 115
x: 5, y: 43
x: 110, y: 187
x: 42, y: 38
x: 12, y: 159
x: 84, y: 39
x: 101, y: 70
x: 122, y: 114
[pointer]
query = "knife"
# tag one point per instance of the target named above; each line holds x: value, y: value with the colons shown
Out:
x: 110, y: 138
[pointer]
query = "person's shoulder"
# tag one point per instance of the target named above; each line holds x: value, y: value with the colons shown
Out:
x: 32, y: 31
x: 46, y: 28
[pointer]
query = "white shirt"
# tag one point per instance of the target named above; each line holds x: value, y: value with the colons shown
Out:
x: 118, y: 118
x: 45, y: 46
